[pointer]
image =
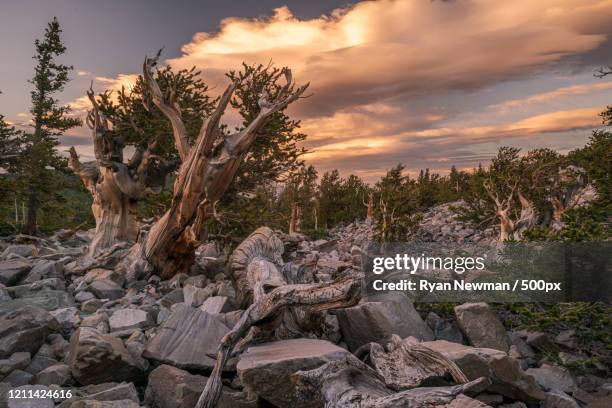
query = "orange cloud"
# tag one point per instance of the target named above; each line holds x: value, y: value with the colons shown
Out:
x: 553, y: 95
x: 380, y: 49
x: 370, y: 65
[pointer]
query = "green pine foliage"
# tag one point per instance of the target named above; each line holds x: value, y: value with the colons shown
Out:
x: 39, y: 160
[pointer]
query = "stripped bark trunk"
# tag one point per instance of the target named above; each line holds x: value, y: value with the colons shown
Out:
x: 370, y: 208
x: 350, y: 383
x: 576, y: 193
x: 115, y: 186
x: 208, y: 167
x: 266, y: 312
x: 527, y: 218
x: 296, y: 219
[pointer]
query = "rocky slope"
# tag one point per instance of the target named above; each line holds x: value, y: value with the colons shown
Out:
x: 118, y: 344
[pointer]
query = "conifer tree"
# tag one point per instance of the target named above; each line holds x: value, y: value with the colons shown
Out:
x: 49, y: 120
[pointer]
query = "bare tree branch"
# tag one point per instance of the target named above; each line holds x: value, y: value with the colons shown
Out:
x: 168, y: 106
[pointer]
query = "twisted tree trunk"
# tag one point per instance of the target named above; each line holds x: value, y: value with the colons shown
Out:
x: 115, y: 186
x: 208, y: 167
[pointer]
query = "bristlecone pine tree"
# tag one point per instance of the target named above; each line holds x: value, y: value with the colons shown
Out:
x: 207, y: 169
x: 117, y: 187
x: 50, y: 120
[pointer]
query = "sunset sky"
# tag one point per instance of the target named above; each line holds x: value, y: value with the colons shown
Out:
x: 425, y: 83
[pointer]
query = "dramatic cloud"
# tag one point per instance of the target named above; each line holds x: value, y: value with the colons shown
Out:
x: 393, y: 78
x: 381, y: 49
x: 553, y: 95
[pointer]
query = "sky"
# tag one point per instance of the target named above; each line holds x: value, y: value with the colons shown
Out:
x: 426, y: 83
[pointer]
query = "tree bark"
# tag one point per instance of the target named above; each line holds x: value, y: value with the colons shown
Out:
x: 370, y: 208
x: 115, y: 186
x: 206, y: 172
x: 265, y: 314
x: 295, y: 220
x: 350, y: 383
x: 32, y: 214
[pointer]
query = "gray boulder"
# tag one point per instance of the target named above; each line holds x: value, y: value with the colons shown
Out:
x: 125, y: 319
x: 44, y: 269
x: 17, y: 361
x: 266, y: 369
x: 46, y: 299
x: 58, y: 374
x: 216, y: 305
x: 171, y: 387
x: 482, y: 327
x: 24, y: 329
x: 188, y: 339
x: 504, y: 372
x: 553, y: 378
x: 377, y: 321
x: 68, y: 318
x: 17, y: 378
x: 106, y: 289
x: 96, y: 358
x: 19, y: 250
x: 13, y: 270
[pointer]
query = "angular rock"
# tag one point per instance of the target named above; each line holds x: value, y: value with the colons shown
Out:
x: 83, y: 296
x: 559, y: 399
x: 45, y: 299
x: 463, y: 401
x: 443, y: 329
x: 96, y: 358
x: 216, y: 305
x: 106, y: 289
x: 68, y: 318
x: 13, y: 270
x: 541, y: 341
x: 17, y: 361
x: 266, y: 369
x: 195, y: 296
x: 17, y: 378
x: 44, y: 269
x: 101, y: 274
x: 24, y: 329
x: 377, y: 321
x: 176, y: 296
x: 39, y: 363
x: 567, y: 338
x: 29, y: 289
x: 188, y: 339
x: 58, y: 374
x: 553, y: 378
x: 125, y: 319
x: 171, y: 387
x: 482, y: 326
x: 504, y: 372
x: 91, y: 306
x: 121, y: 391
x: 20, y: 250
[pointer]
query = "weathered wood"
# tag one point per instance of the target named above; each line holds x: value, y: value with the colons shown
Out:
x: 295, y: 220
x: 252, y: 266
x: 369, y: 208
x: 405, y: 364
x: 349, y: 383
x: 264, y: 315
x: 576, y: 192
x: 206, y: 172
